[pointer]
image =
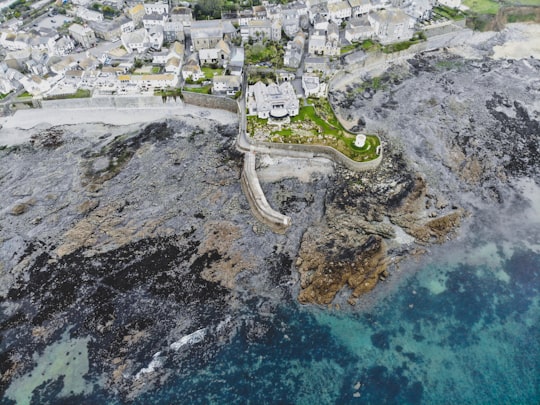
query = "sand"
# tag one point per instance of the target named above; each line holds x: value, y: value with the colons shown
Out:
x: 523, y: 42
x: 15, y: 128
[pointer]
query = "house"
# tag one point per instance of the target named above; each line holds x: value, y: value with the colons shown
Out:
x: 324, y: 44
x: 173, y: 31
x: 156, y: 8
x: 391, y: 25
x: 259, y: 12
x: 182, y: 15
x: 113, y: 30
x: 138, y: 40
x: 88, y: 15
x: 226, y: 84
x: 35, y: 85
x: 358, y: 29
x: 294, y: 51
x: 450, y: 3
x: 145, y: 82
x: 290, y: 22
x: 61, y: 46
x: 206, y: 34
x: 160, y: 58
x: 420, y: 10
x: 339, y: 11
x: 219, y: 55
x: 259, y: 29
x: 312, y: 86
x: 192, y: 69
x: 136, y: 14
x: 151, y: 20
x: 14, y: 41
x: 320, y: 23
x: 155, y: 34
x: 85, y: 36
x: 173, y: 65
x: 359, y: 7
x: 273, y: 100
x: 316, y: 64
x: 236, y: 63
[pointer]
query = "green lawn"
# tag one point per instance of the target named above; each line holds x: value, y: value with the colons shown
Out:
x: 482, y: 6
x: 317, y: 125
x: 202, y: 89
x: 210, y: 73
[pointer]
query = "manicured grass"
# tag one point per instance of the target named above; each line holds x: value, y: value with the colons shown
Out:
x: 513, y: 18
x: 317, y: 125
x: 210, y: 73
x: 80, y: 93
x: 449, y: 13
x: 202, y: 89
x: 3, y: 96
x: 482, y: 6
x: 168, y: 92
x: 156, y: 70
x: 24, y: 94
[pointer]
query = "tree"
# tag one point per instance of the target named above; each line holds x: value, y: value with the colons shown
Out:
x: 208, y: 9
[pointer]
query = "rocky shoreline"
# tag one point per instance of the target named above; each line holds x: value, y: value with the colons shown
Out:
x: 139, y: 239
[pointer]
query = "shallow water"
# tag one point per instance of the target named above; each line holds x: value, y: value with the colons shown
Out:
x: 453, y: 332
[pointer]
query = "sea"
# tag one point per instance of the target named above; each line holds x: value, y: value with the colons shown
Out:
x: 459, y: 325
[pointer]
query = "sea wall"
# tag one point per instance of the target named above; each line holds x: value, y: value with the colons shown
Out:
x: 210, y: 101
x: 111, y: 101
x: 257, y: 201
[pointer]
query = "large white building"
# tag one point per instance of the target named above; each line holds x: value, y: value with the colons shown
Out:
x: 273, y: 100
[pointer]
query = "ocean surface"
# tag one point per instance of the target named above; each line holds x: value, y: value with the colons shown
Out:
x: 459, y: 330
x: 460, y: 326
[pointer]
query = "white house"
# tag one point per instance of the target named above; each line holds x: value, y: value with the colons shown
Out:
x: 83, y: 35
x: 273, y: 100
x: 226, y: 84
x: 391, y: 25
x: 88, y: 15
x: 360, y: 7
x: 138, y: 40
x: 157, y: 8
x: 358, y: 29
x: 339, y: 11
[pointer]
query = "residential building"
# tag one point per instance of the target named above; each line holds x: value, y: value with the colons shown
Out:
x: 136, y: 14
x: 138, y: 40
x: 173, y: 31
x: 182, y: 15
x: 360, y: 7
x: 273, y: 100
x: 85, y: 36
x: 156, y: 8
x: 155, y: 34
x: 316, y: 64
x: 226, y: 84
x: 358, y: 29
x: 312, y: 86
x: 219, y: 55
x: 391, y: 25
x: 294, y: 51
x: 151, y: 20
x: 290, y: 22
x: 192, y: 69
x: 88, y: 15
x: 339, y: 11
x: 324, y: 44
x: 206, y: 34
x: 259, y: 29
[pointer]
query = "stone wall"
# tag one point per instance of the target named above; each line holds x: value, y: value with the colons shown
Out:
x: 112, y: 102
x: 257, y: 201
x: 210, y: 101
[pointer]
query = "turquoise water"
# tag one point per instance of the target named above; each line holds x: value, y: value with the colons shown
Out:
x: 456, y: 331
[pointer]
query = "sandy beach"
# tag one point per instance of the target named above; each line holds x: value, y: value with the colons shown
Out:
x: 15, y: 128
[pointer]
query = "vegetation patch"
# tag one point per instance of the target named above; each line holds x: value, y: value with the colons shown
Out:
x: 80, y: 93
x: 200, y: 89
x: 264, y: 51
x: 401, y: 46
x: 448, y: 12
x: 316, y: 124
x: 482, y: 6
